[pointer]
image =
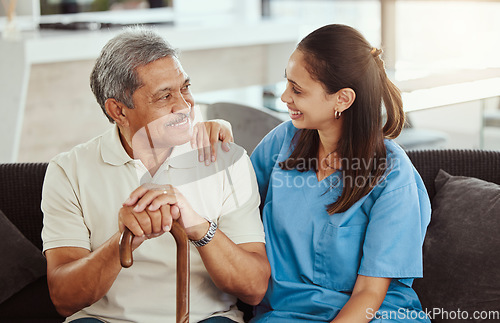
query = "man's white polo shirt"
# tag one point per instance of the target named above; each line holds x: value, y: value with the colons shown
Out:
x: 84, y: 190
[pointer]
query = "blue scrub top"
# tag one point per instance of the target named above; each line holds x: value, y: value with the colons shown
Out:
x: 315, y: 257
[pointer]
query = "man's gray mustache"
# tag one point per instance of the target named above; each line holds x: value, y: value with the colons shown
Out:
x: 178, y: 118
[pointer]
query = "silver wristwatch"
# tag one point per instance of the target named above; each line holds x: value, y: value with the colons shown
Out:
x: 208, y: 236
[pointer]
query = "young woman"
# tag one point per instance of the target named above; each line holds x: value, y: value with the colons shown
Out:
x: 344, y: 210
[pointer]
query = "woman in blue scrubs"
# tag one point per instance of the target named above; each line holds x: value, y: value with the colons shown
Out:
x: 344, y: 210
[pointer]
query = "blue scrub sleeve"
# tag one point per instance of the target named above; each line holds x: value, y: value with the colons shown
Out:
x: 395, y: 234
x: 265, y: 156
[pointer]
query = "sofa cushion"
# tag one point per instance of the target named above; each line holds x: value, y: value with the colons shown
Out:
x: 462, y: 247
x: 22, y: 262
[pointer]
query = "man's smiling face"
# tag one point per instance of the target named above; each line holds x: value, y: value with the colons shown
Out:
x: 163, y: 104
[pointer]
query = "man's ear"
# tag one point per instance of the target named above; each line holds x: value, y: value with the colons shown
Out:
x: 344, y: 99
x: 117, y: 111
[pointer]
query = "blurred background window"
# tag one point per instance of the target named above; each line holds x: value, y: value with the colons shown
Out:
x: 430, y: 36
x: 51, y: 7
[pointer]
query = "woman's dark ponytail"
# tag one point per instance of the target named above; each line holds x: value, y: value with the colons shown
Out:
x: 393, y: 101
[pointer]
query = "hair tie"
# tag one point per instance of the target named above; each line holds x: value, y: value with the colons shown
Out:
x: 375, y: 52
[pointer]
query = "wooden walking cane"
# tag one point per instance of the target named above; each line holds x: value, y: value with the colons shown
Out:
x: 182, y: 287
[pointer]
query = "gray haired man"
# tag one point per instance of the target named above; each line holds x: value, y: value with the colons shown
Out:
x: 95, y: 190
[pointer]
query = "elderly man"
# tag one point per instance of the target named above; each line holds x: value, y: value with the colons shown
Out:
x: 119, y: 180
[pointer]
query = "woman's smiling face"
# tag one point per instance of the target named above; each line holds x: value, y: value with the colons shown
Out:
x: 309, y: 105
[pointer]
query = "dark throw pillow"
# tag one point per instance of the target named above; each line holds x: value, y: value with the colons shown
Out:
x: 22, y: 262
x: 462, y: 248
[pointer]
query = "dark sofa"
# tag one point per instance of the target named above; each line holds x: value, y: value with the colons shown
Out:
x: 20, y: 193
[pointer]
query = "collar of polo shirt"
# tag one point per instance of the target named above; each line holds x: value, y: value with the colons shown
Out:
x: 113, y: 153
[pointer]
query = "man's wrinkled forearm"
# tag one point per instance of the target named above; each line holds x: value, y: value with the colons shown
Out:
x: 82, y: 282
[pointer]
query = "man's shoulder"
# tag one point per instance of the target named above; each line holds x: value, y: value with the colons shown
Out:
x: 81, y: 152
x: 235, y: 153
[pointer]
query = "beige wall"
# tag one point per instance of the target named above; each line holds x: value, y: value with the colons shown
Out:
x: 60, y: 110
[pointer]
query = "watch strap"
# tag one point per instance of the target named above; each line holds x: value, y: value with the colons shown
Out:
x: 207, y: 237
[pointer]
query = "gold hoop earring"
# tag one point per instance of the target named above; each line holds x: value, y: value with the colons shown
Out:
x: 337, y: 114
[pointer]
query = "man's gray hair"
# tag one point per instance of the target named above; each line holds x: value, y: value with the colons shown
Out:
x: 114, y: 74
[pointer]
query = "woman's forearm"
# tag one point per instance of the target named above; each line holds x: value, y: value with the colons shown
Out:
x: 367, y: 296
x: 358, y: 308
